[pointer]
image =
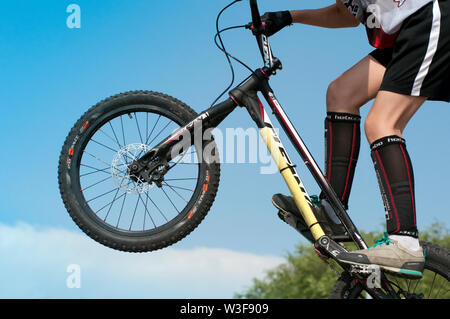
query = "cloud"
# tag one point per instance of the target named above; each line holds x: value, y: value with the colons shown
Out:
x: 34, y: 263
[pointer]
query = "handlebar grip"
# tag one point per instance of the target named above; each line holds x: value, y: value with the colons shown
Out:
x: 256, y: 17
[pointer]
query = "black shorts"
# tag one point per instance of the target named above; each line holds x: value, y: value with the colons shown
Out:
x: 419, y: 62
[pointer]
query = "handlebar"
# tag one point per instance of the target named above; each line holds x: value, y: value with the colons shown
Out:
x: 263, y: 41
x: 256, y: 17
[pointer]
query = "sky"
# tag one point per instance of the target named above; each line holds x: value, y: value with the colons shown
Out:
x: 51, y: 74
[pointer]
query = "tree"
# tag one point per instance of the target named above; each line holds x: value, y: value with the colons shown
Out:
x: 304, y: 276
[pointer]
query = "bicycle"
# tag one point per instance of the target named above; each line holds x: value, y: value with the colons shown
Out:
x: 149, y: 169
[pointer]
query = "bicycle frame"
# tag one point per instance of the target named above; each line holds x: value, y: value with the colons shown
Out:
x: 246, y: 95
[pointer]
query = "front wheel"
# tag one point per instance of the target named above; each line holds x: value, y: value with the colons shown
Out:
x: 114, y: 208
x: 433, y: 285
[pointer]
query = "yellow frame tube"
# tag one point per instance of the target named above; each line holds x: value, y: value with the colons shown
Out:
x: 291, y: 182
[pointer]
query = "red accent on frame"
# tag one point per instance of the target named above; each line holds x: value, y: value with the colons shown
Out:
x: 264, y: 73
x: 232, y: 97
x: 290, y: 131
x: 261, y: 110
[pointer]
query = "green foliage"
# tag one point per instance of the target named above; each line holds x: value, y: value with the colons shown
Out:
x: 437, y: 234
x: 305, y: 276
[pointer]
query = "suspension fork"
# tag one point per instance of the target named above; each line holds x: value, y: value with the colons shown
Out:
x: 195, y: 129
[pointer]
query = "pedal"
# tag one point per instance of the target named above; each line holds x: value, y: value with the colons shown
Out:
x: 296, y: 223
x: 365, y: 270
x: 370, y: 273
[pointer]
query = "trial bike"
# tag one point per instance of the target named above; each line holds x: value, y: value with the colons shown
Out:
x: 125, y: 181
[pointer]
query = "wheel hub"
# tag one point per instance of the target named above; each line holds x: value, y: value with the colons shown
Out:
x: 122, y: 168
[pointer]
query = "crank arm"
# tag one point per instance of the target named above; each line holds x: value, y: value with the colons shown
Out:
x: 328, y: 247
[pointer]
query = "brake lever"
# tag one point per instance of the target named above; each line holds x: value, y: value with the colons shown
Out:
x: 250, y: 26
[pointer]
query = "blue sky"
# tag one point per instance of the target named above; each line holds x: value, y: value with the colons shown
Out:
x: 50, y: 75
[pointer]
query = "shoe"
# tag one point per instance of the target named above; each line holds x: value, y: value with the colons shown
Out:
x: 288, y: 211
x: 389, y: 256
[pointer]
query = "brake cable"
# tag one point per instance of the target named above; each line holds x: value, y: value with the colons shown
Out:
x: 228, y: 56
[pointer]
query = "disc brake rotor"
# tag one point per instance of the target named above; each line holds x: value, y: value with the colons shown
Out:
x: 129, y: 184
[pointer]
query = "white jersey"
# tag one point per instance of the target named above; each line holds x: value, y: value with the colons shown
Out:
x: 383, y: 18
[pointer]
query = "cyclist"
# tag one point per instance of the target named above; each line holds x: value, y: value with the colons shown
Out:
x: 411, y: 64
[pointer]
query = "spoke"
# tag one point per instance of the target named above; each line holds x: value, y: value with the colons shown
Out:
x: 97, y: 197
x: 121, y: 210
x: 181, y: 179
x: 102, y: 161
x: 139, y: 130
x: 432, y: 284
x: 99, y: 171
x: 115, y: 136
x: 133, y: 157
x: 157, y: 207
x: 145, y: 205
x: 112, y: 139
x: 95, y: 170
x: 179, y: 160
x: 110, y: 203
x: 170, y: 200
x: 159, y: 133
x: 123, y: 131
x: 135, y: 208
x: 113, y: 201
x: 123, y: 136
x: 145, y: 215
x: 176, y: 192
x: 146, y: 125
x: 183, y: 188
x: 415, y: 287
x: 115, y: 140
x: 154, y: 126
x: 408, y: 284
x: 103, y: 180
x: 97, y: 158
x: 101, y: 144
x: 442, y: 284
x: 88, y: 201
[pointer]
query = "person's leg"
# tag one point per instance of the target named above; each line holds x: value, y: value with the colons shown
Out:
x: 355, y: 87
x: 345, y: 96
x: 384, y: 128
x: 400, y: 252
